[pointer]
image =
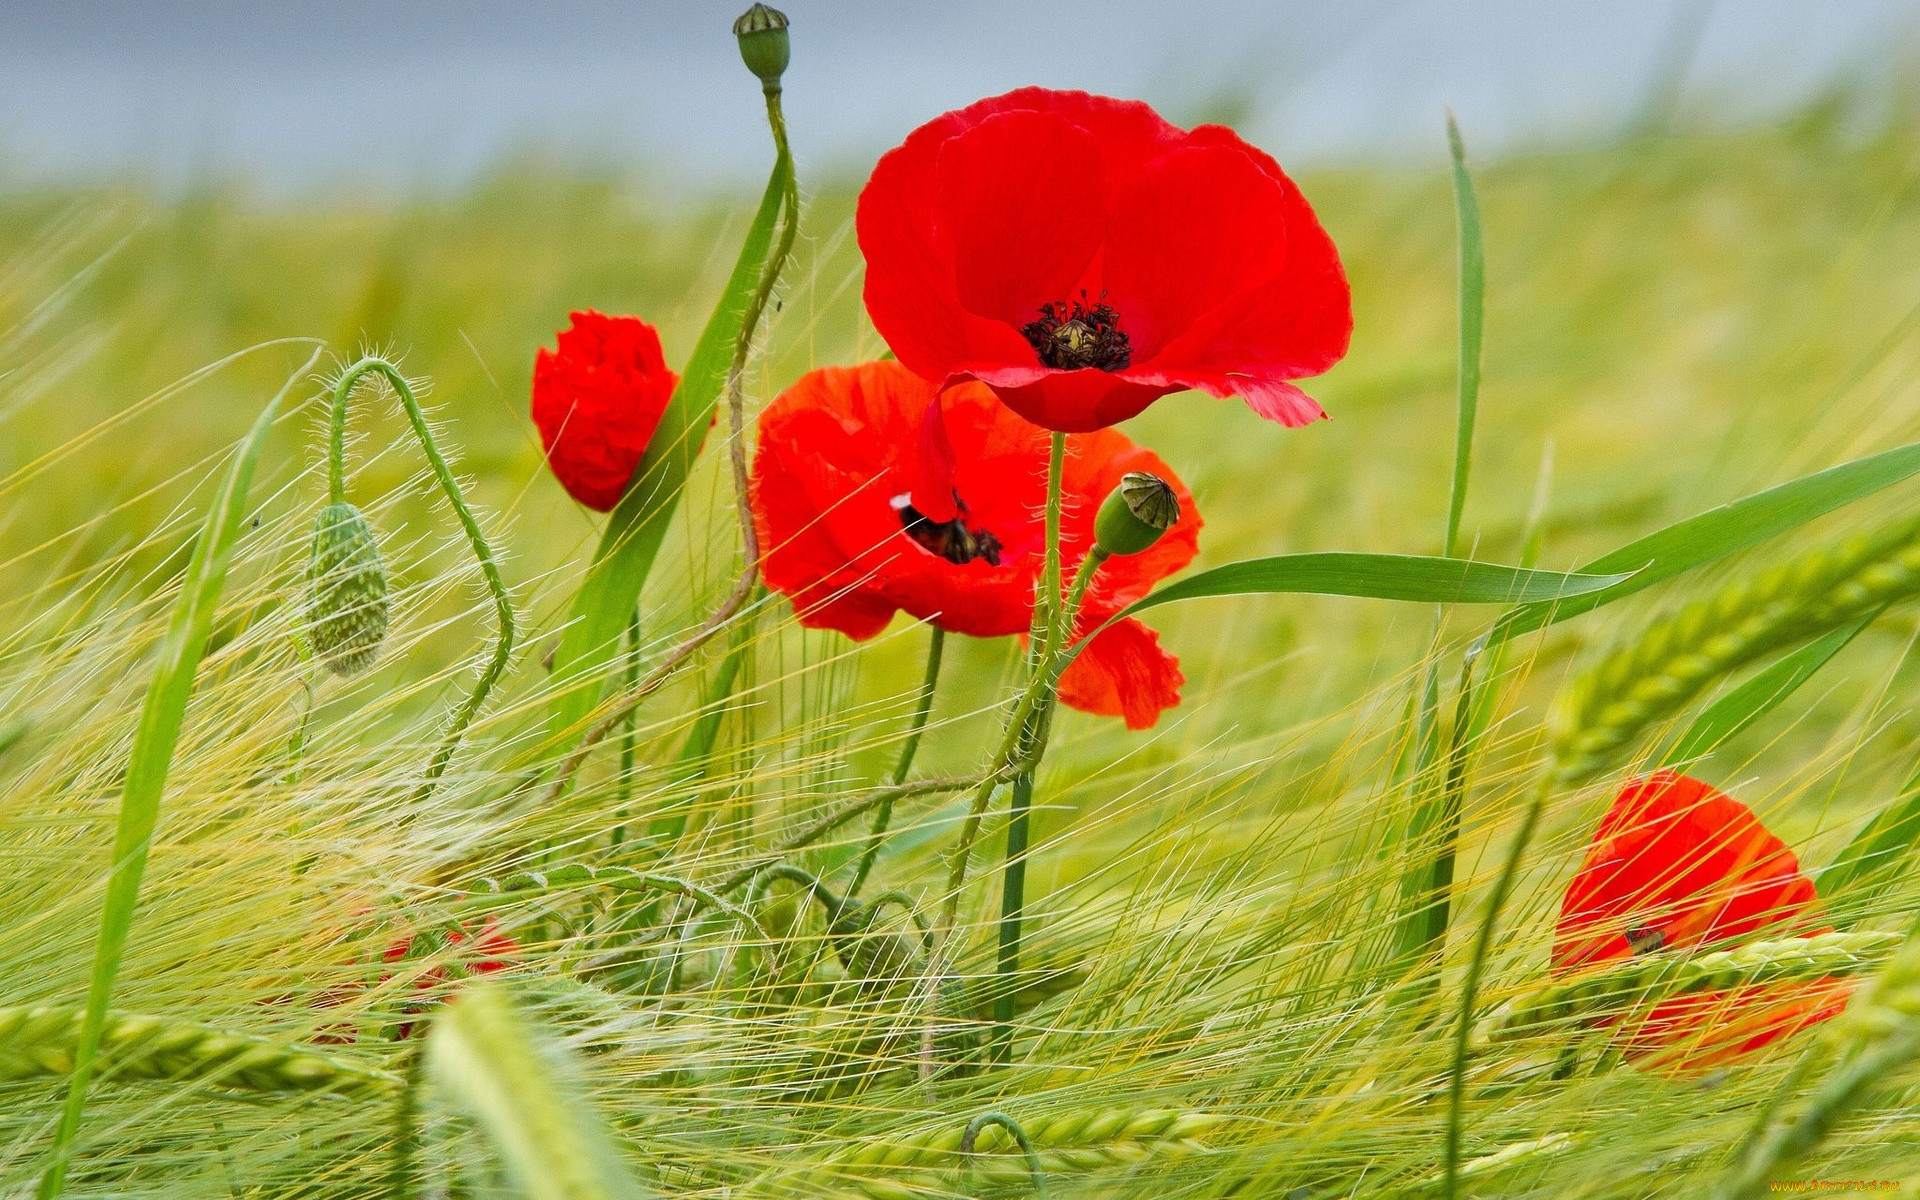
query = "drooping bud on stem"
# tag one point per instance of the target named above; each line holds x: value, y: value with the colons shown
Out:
x: 763, y: 44
x: 346, y: 609
x: 1135, y: 515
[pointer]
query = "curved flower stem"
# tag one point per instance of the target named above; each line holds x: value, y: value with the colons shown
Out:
x: 972, y: 1135
x: 1470, y: 986
x: 883, y: 815
x: 503, y: 606
x: 743, y: 589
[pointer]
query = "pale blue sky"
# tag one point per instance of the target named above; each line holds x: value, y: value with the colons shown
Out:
x: 399, y: 92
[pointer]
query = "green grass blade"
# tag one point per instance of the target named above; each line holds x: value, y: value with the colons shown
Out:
x: 1874, y: 860
x: 161, y: 717
x: 1473, y: 311
x: 1757, y: 697
x: 1381, y: 577
x: 553, y: 1146
x: 639, y: 523
x: 1719, y: 532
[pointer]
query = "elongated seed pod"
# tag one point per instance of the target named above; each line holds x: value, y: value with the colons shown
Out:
x: 346, y: 608
x: 1649, y: 978
x: 40, y: 1041
x: 1672, y: 660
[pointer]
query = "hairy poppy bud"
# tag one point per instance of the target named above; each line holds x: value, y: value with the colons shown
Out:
x: 346, y: 610
x: 763, y: 43
x: 1135, y: 514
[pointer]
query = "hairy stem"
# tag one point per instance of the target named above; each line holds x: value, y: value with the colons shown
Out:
x: 743, y: 589
x: 482, y: 550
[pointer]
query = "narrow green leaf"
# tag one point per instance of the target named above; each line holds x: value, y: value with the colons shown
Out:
x: 1719, y: 532
x: 639, y: 523
x: 553, y: 1146
x: 1874, y: 860
x: 1756, y: 697
x: 1473, y: 285
x: 161, y: 717
x: 1381, y: 577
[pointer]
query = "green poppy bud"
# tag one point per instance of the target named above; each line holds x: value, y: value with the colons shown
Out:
x: 346, y: 609
x: 763, y: 43
x: 1135, y: 515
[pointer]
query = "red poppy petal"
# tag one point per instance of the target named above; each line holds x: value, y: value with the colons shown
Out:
x: 1073, y: 401
x: 935, y: 472
x: 1705, y: 1030
x: 910, y: 291
x: 1677, y: 855
x: 1123, y: 672
x: 1021, y: 207
x: 1196, y: 229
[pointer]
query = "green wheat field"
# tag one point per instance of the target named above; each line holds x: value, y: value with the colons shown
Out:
x: 1213, y: 1005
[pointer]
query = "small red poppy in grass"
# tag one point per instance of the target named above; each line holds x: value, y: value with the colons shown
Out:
x: 482, y: 952
x: 597, y: 400
x: 463, y: 954
x: 841, y: 495
x: 1678, y: 865
x: 1084, y: 257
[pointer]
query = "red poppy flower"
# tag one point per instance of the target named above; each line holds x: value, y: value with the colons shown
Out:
x: 862, y: 514
x: 482, y: 952
x: 1083, y: 257
x: 1676, y: 864
x: 597, y: 400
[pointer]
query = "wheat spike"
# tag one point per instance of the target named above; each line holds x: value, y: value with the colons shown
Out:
x: 1671, y: 661
x: 1647, y: 978
x: 40, y: 1040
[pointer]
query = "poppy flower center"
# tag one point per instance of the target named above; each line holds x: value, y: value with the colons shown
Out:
x: 1071, y: 335
x: 951, y: 540
x: 1646, y: 940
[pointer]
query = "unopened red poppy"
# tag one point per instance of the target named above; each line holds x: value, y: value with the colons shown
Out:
x: 597, y: 400
x: 1084, y: 257
x: 845, y: 479
x: 1677, y: 865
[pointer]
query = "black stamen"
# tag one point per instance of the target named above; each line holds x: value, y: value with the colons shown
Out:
x: 1646, y: 940
x: 1068, y: 337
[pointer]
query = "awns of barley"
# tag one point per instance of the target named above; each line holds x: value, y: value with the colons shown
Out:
x: 40, y: 1041
x: 1877, y: 1036
x: 1668, y: 663
x: 346, y: 606
x: 1070, y: 1143
x: 1647, y: 978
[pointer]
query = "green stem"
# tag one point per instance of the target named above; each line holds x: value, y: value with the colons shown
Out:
x: 1050, y: 582
x: 1012, y: 908
x: 624, y: 785
x: 403, y: 1168
x: 503, y: 606
x: 1013, y: 882
x: 1014, y: 750
x: 883, y: 816
x: 1470, y: 986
